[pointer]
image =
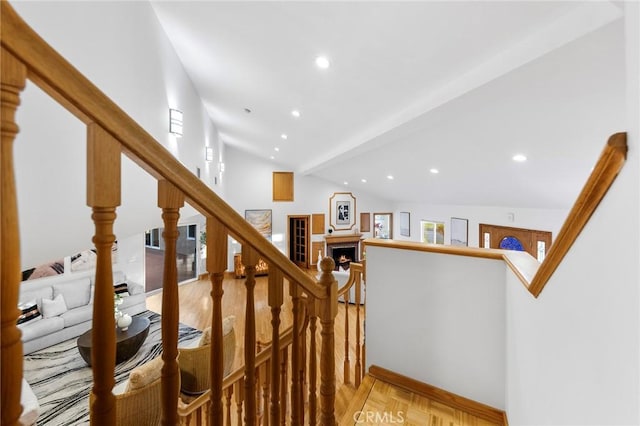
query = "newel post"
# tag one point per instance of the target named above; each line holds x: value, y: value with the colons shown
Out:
x: 13, y: 77
x: 328, y: 312
x: 171, y: 200
x: 103, y: 196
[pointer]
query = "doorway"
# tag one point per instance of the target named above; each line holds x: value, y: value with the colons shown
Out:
x: 534, y: 242
x: 186, y: 256
x: 299, y: 240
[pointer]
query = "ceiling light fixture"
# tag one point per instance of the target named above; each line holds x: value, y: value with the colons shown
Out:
x: 346, y: 183
x: 272, y: 157
x: 520, y: 158
x: 295, y: 113
x: 434, y: 171
x: 284, y: 136
x: 363, y: 180
x: 322, y: 62
x: 276, y: 149
x: 389, y: 177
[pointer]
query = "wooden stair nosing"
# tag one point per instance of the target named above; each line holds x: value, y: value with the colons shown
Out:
x: 358, y: 401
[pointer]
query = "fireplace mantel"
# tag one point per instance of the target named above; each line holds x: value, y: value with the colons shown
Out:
x: 338, y: 239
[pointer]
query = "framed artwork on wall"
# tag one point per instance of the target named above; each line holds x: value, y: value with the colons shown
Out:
x: 342, y: 211
x: 261, y: 220
x: 459, y: 232
x: 383, y: 225
x: 405, y: 224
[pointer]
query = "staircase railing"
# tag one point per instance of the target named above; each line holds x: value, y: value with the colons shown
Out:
x: 277, y: 379
x: 110, y: 134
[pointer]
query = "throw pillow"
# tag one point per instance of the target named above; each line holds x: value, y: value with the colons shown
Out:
x: 145, y: 374
x: 227, y: 327
x: 76, y: 293
x: 53, y: 308
x: 30, y: 312
x: 121, y: 289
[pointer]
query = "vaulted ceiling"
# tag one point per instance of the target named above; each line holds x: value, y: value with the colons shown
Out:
x: 459, y: 87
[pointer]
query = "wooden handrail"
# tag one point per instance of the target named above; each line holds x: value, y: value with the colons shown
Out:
x: 63, y: 82
x: 533, y: 274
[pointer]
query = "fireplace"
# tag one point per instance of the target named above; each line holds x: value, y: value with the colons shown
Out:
x: 343, y: 250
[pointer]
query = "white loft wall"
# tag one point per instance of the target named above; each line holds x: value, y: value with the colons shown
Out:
x: 248, y: 185
x: 439, y: 319
x: 573, y: 354
x: 539, y: 219
x: 122, y: 49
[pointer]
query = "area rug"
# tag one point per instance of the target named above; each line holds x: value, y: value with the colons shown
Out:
x: 62, y: 381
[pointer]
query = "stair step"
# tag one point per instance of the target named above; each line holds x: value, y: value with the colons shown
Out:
x: 358, y: 399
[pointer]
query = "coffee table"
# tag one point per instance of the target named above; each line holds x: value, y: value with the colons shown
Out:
x: 127, y: 342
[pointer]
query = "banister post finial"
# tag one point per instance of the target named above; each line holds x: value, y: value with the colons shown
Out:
x: 327, y: 266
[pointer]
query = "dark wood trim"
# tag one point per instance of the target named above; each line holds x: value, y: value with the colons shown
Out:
x: 475, y: 408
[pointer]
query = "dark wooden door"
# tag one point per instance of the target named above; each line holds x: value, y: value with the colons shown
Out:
x: 536, y: 243
x: 299, y: 240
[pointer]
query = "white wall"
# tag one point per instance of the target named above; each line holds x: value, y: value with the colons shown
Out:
x: 538, y: 219
x: 573, y: 354
x: 121, y: 48
x: 439, y: 319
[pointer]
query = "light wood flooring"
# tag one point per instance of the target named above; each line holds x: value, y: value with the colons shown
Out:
x: 195, y: 311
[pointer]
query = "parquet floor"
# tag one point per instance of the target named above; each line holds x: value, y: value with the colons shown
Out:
x: 195, y: 311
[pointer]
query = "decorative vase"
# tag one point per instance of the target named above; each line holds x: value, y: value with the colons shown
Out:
x: 124, y: 322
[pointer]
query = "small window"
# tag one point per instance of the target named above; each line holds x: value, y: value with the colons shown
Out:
x: 191, y: 232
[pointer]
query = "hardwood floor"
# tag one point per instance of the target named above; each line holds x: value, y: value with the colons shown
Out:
x: 195, y: 311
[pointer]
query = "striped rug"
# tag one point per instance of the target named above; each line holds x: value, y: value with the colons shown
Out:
x: 62, y: 381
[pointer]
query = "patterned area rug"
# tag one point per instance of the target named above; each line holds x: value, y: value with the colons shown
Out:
x: 62, y: 381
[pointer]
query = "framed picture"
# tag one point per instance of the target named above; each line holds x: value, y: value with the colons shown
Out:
x: 459, y: 232
x: 383, y: 225
x: 342, y: 211
x: 365, y: 222
x: 432, y: 232
x: 261, y: 220
x: 405, y: 224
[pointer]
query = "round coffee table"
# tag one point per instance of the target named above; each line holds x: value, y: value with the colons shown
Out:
x: 127, y: 342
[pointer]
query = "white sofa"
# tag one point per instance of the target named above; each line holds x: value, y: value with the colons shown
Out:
x: 66, y: 308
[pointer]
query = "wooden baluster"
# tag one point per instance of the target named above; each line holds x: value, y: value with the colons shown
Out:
x: 313, y: 363
x: 239, y: 397
x: 228, y: 395
x: 276, y: 297
x: 188, y: 420
x: 283, y: 386
x: 347, y: 364
x: 303, y: 362
x: 216, y: 265
x: 358, y: 372
x: 266, y: 383
x: 13, y: 76
x: 103, y: 195
x: 294, y: 292
x: 328, y: 310
x: 250, y: 259
x: 170, y: 199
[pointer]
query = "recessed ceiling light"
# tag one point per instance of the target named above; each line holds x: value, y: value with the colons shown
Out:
x: 520, y: 158
x: 389, y: 177
x: 284, y: 136
x: 363, y: 180
x: 434, y: 171
x: 295, y: 113
x: 322, y: 62
x: 346, y: 183
x: 272, y: 157
x: 276, y: 149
